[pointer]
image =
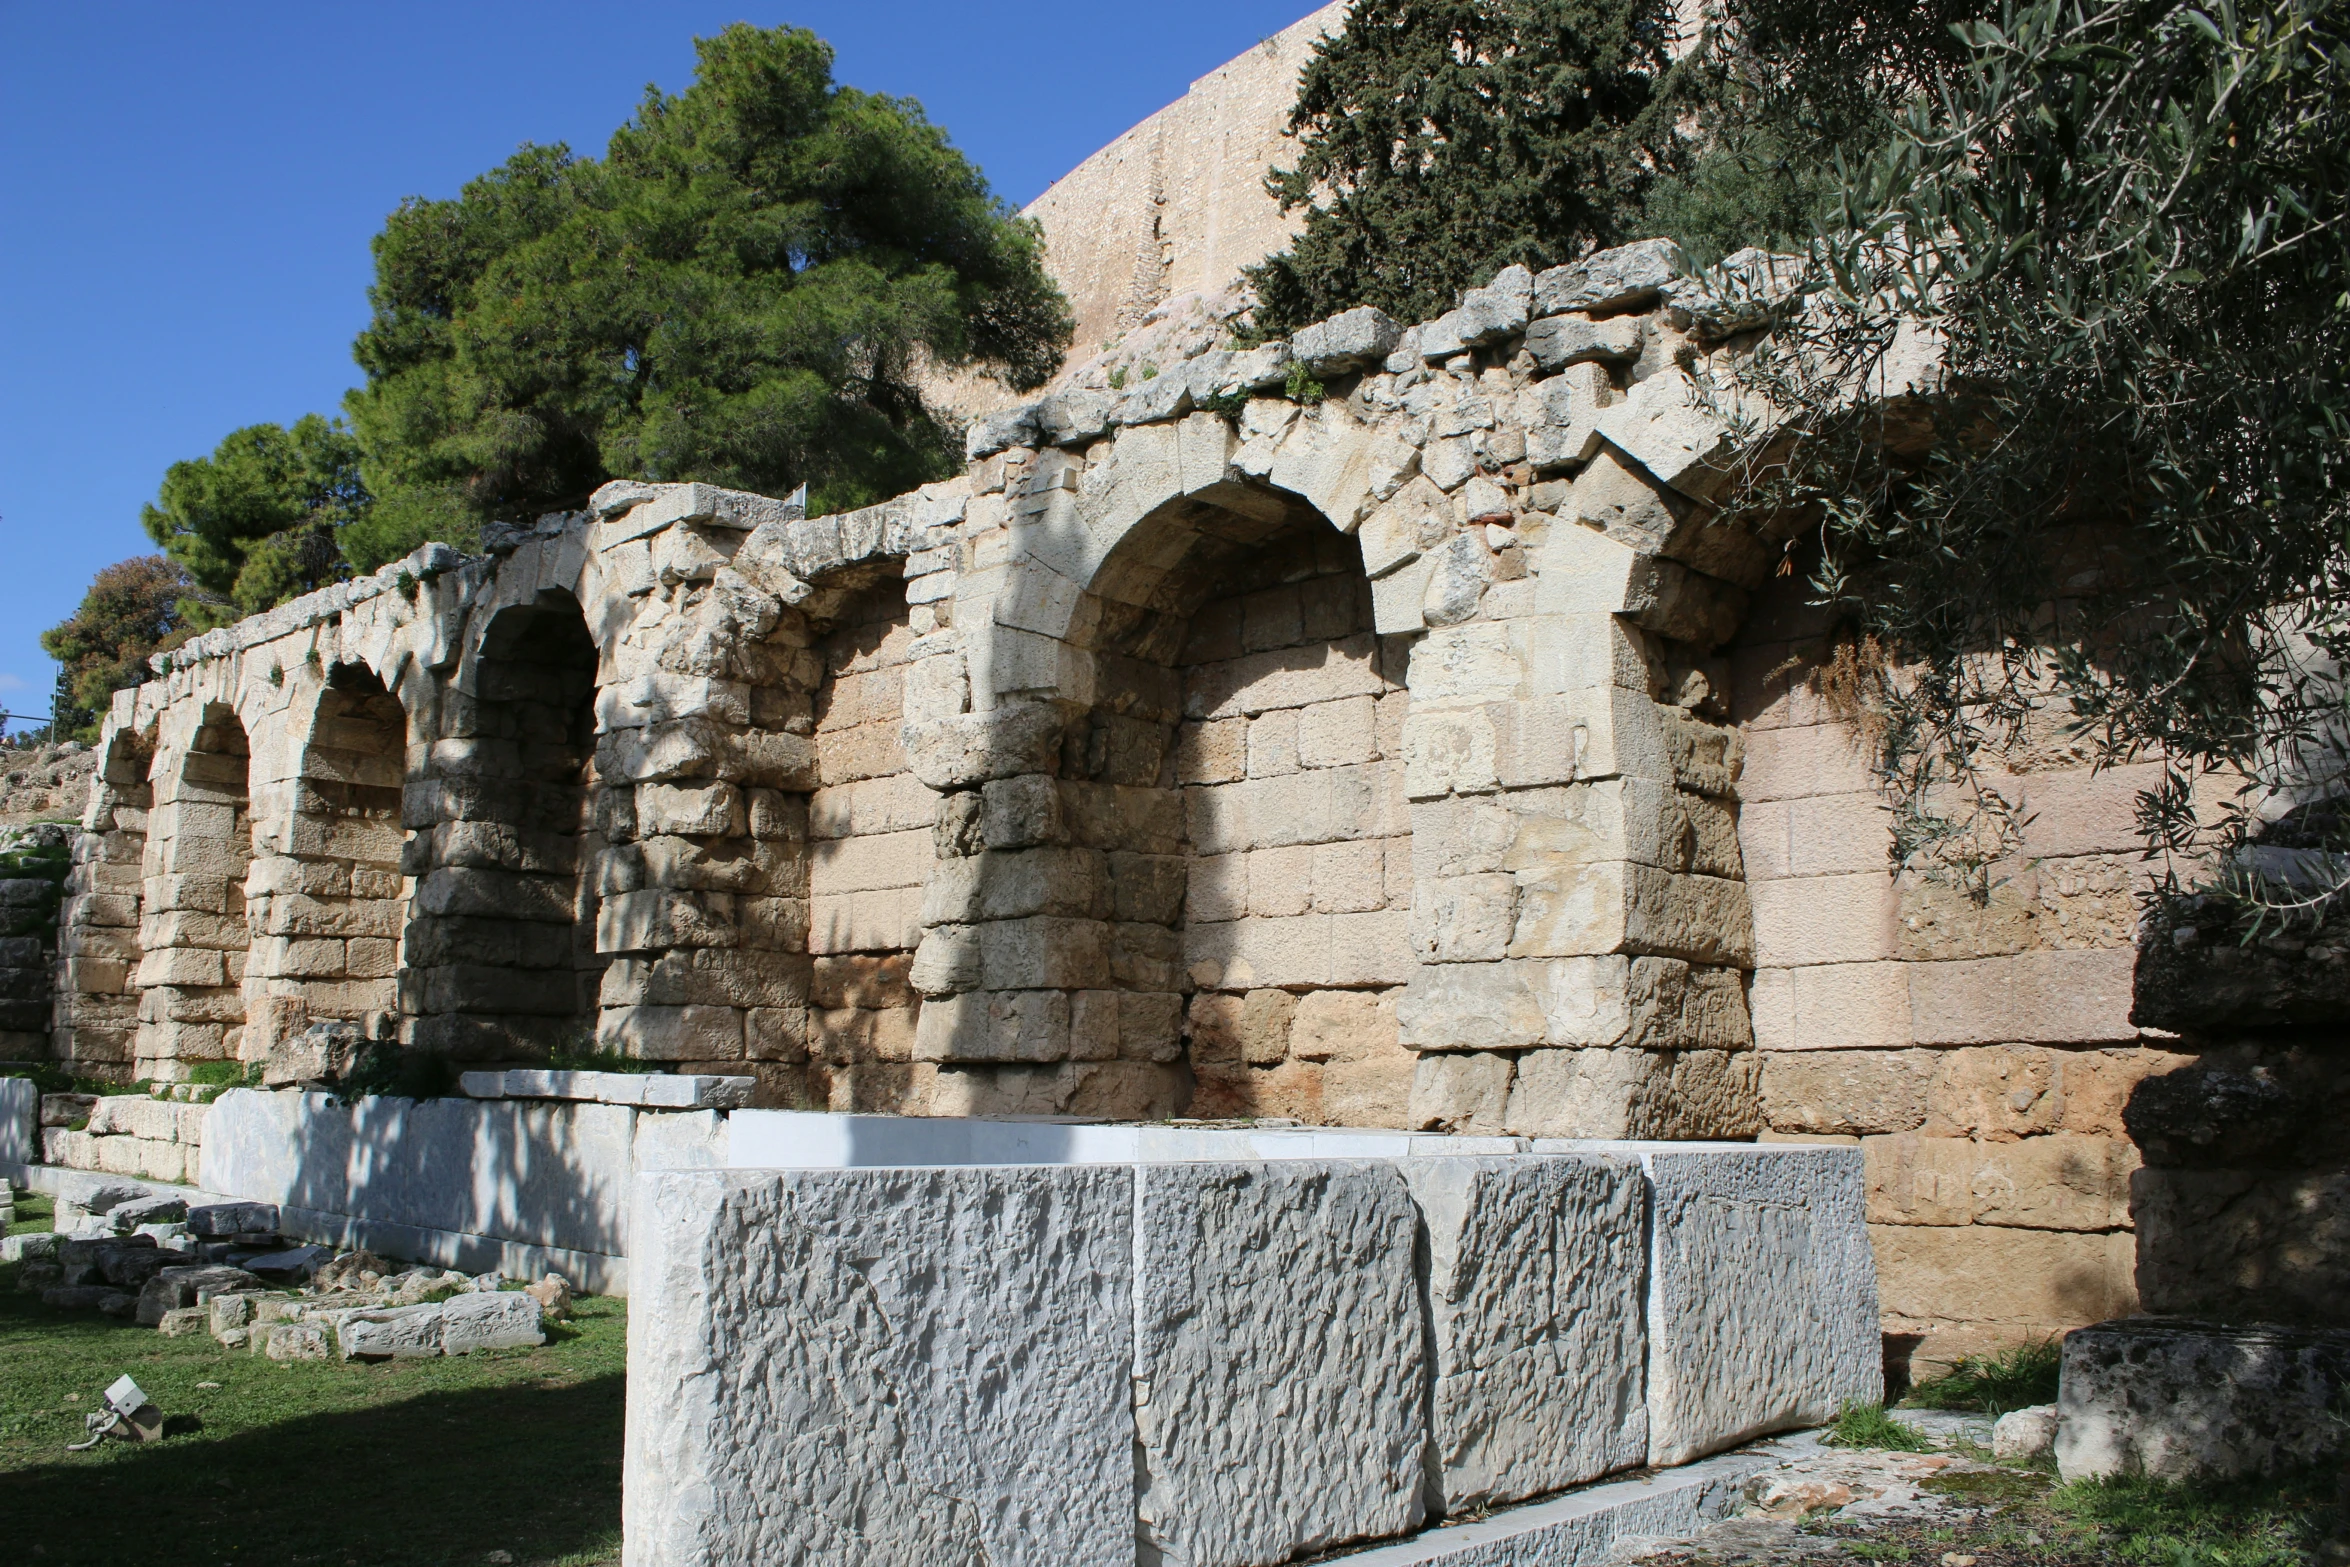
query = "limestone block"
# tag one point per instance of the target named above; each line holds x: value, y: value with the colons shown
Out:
x: 490, y: 1319
x: 402, y: 1333
x: 1616, y: 1093
x: 1278, y: 1359
x: 901, y: 1365
x: 1607, y: 281
x: 1762, y: 1293
x: 2193, y: 1401
x: 1350, y: 340
x: 1559, y: 341
x: 1536, y: 1270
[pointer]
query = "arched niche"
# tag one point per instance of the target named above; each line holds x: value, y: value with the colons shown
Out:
x: 193, y: 933
x: 500, y: 951
x: 327, y: 903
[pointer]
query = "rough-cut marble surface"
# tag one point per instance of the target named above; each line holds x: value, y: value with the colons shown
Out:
x: 1536, y: 1271
x: 1279, y: 1360
x: 912, y: 1367
x: 1762, y: 1294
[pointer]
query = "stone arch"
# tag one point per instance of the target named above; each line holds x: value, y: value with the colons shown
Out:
x: 1057, y: 915
x: 98, y: 923
x: 500, y: 952
x: 327, y: 900
x: 194, y: 937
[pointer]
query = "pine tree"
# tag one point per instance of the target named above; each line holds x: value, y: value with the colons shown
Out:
x: 1441, y: 140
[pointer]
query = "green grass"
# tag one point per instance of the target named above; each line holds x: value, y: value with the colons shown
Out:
x: 2253, y: 1523
x: 395, y: 1464
x: 1867, y: 1425
x: 2014, y: 1378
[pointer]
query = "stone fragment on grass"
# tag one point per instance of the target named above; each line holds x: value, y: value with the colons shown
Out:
x: 504, y: 1319
x: 183, y: 1323
x: 172, y: 1289
x: 553, y: 1293
x: 2025, y: 1434
x: 403, y: 1333
x: 296, y: 1341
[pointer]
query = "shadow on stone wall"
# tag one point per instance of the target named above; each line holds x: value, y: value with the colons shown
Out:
x: 2243, y: 1204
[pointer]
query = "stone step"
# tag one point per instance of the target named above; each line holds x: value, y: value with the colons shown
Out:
x: 652, y: 1090
x: 1583, y: 1527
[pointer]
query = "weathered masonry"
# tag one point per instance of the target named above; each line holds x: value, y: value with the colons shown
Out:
x: 1423, y: 754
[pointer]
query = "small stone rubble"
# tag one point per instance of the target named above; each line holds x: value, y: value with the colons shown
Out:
x: 224, y: 1269
x: 1816, y: 1504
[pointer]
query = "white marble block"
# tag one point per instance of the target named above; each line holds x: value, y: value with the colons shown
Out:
x: 881, y: 1368
x: 1279, y: 1362
x: 1762, y: 1292
x: 1536, y: 1272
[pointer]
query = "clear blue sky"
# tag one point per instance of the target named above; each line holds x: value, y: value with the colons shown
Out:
x: 187, y: 192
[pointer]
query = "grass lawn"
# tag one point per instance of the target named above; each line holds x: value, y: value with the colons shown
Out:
x: 343, y: 1463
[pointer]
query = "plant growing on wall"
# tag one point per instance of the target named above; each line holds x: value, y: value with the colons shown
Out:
x: 1441, y: 140
x: 2125, y: 226
x: 743, y: 291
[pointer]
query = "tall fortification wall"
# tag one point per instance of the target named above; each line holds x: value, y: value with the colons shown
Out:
x: 1177, y: 205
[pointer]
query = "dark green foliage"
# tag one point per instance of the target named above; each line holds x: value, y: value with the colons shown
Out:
x: 742, y: 291
x: 133, y: 609
x: 2013, y: 1378
x: 254, y: 523
x: 1792, y: 90
x: 1441, y: 140
x: 2124, y: 222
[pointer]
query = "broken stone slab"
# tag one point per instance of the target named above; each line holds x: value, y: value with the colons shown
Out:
x: 295, y: 1341
x: 34, y: 1246
x: 220, y: 1220
x: 957, y: 1341
x: 1610, y: 280
x: 1279, y: 1359
x: 1762, y: 1290
x: 1535, y: 1275
x: 493, y: 1319
x: 132, y: 1216
x: 185, y: 1322
x: 297, y: 1262
x: 2181, y: 1400
x: 175, y: 1289
x: 97, y: 1194
x: 403, y: 1333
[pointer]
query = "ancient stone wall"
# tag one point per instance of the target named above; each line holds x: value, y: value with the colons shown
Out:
x: 1418, y: 751
x: 1981, y: 1052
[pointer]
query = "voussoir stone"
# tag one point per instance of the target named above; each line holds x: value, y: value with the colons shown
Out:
x: 1536, y: 1268
x: 1279, y: 1359
x: 886, y: 1365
